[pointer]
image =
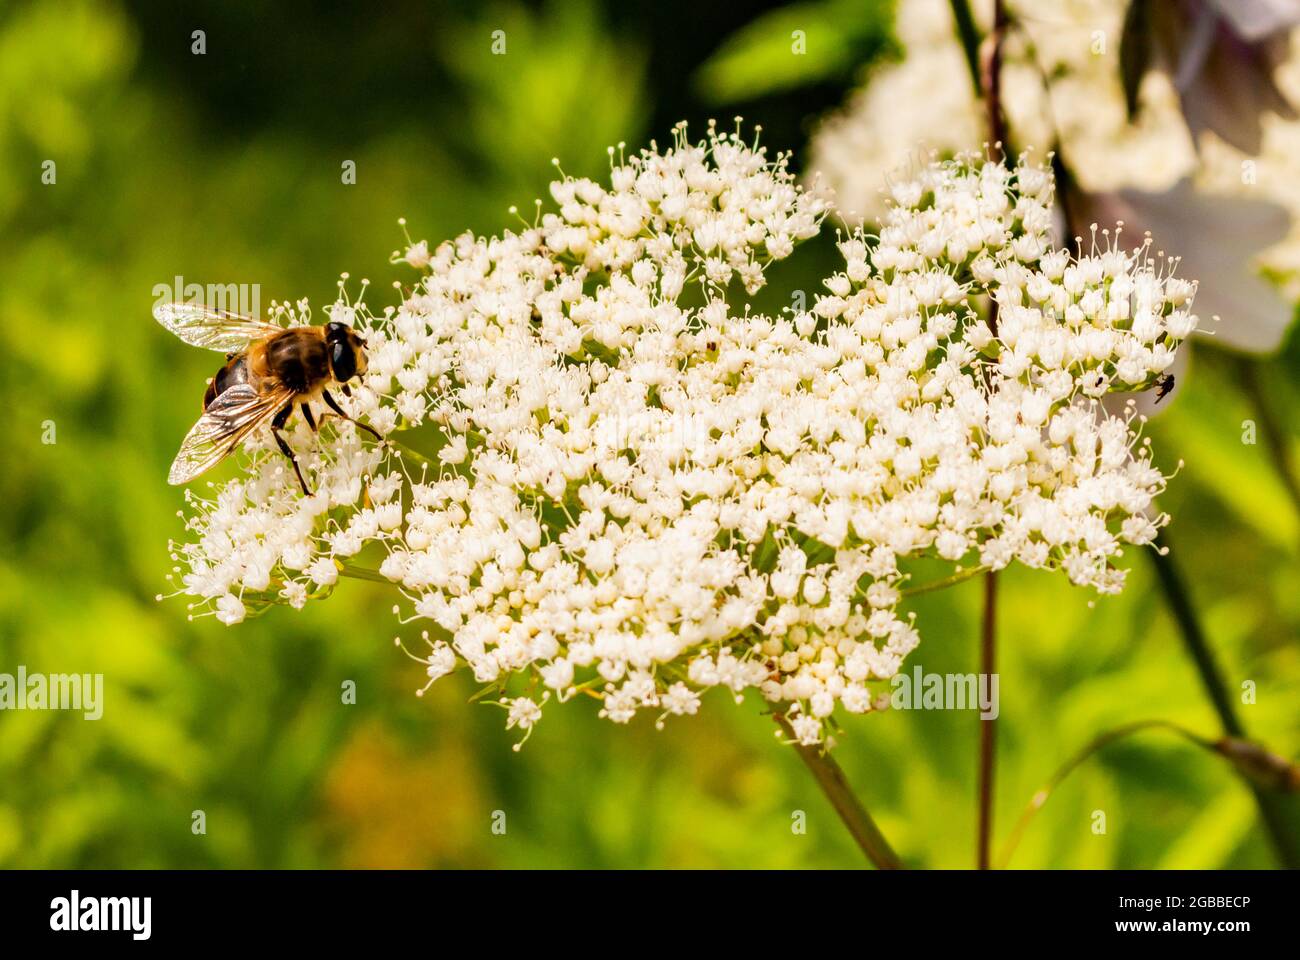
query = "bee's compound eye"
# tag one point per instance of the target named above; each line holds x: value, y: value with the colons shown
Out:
x: 343, y: 361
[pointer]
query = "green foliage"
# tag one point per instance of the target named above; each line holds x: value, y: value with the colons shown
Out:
x: 794, y: 46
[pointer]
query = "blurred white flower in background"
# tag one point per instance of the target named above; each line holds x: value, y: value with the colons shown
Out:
x: 1230, y: 216
x: 923, y: 102
x: 1253, y: 317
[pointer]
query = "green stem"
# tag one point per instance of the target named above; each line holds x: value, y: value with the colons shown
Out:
x: 363, y: 573
x: 992, y: 83
x: 1275, y: 439
x: 1207, y: 666
x: 956, y: 578
x: 988, y: 725
x: 1074, y: 762
x: 1272, y: 810
x: 970, y: 40
x: 1249, y: 758
x: 835, y: 785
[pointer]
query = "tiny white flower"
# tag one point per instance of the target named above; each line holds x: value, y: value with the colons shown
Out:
x: 229, y: 609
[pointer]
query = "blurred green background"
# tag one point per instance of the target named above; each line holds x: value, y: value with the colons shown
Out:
x: 225, y: 168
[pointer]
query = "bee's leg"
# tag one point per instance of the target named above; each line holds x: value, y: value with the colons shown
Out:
x: 311, y: 420
x: 333, y: 405
x: 276, y: 426
x: 347, y: 391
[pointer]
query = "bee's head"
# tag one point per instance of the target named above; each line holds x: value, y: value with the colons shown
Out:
x: 347, y: 351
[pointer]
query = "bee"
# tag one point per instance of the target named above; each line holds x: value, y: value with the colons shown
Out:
x: 269, y: 370
x: 1163, y: 386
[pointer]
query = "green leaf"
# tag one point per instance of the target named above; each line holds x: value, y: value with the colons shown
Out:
x: 795, y: 46
x: 1134, y: 53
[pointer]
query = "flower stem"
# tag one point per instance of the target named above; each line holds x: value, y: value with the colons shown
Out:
x: 1271, y: 809
x: 997, y: 126
x: 363, y: 573
x: 1180, y: 605
x: 992, y: 81
x: 835, y: 785
x: 945, y: 582
x: 970, y: 39
x: 1097, y: 743
x: 988, y: 725
x: 1248, y: 757
x: 1274, y: 438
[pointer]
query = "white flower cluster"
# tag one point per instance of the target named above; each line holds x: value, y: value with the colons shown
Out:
x: 640, y: 490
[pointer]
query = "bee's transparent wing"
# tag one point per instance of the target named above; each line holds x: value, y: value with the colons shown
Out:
x: 231, y: 417
x: 215, y: 329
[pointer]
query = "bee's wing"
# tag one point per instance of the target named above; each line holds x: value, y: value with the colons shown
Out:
x: 232, y: 416
x: 214, y: 329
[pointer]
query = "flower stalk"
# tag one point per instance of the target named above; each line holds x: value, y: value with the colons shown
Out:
x: 1093, y: 746
x: 992, y: 82
x: 1275, y: 440
x: 830, y: 777
x: 988, y: 725
x: 970, y: 40
x: 1272, y: 809
x: 362, y: 573
x: 1265, y: 769
x: 959, y: 577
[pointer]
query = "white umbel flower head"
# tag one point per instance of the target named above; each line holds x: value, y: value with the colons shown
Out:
x: 640, y: 489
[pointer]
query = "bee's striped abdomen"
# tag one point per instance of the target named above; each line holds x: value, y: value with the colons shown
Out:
x: 235, y: 371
